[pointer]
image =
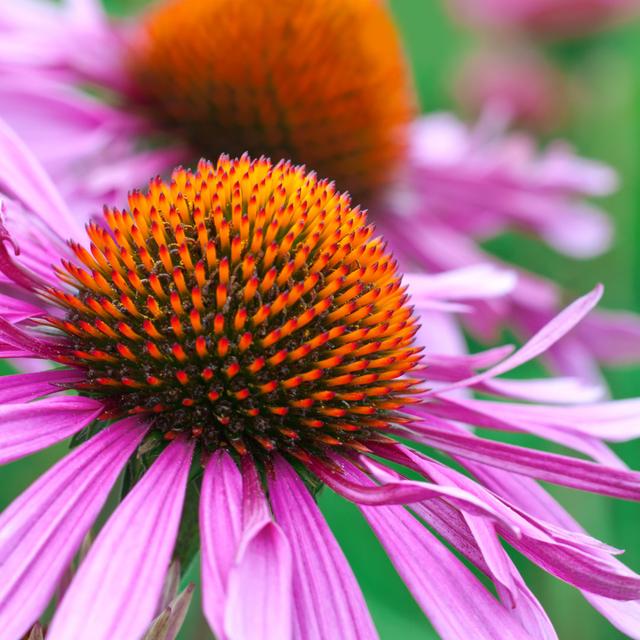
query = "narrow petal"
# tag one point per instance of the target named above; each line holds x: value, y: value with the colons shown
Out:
x: 220, y: 531
x: 454, y: 600
x: 469, y: 283
x: 16, y: 311
x: 450, y: 524
x: 567, y: 554
x: 23, y: 177
x: 42, y: 529
x: 613, y: 421
x: 327, y: 602
x: 559, y: 469
x: 398, y: 491
x: 30, y: 345
x: 23, y: 387
x: 259, y: 592
x: 116, y: 591
x: 612, y: 336
x: 553, y: 390
x: 29, y: 427
x: 527, y: 494
x: 541, y: 341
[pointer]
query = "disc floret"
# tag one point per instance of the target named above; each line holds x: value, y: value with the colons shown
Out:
x: 245, y: 304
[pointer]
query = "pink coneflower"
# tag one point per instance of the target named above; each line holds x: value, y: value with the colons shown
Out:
x: 546, y: 18
x: 243, y: 329
x: 309, y: 93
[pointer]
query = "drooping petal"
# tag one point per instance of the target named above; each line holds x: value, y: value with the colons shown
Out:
x: 526, y: 493
x: 259, y: 593
x: 397, y: 491
x: 556, y: 468
x: 116, y: 591
x: 220, y: 531
x: 327, y: 601
x: 567, y: 554
x: 450, y: 524
x: 457, y: 604
x: 29, y: 427
x: 42, y: 529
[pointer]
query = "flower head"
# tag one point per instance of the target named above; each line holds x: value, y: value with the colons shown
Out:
x: 246, y: 305
x: 171, y: 270
x: 333, y: 93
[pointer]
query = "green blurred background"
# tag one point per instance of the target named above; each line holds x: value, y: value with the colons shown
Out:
x: 604, y: 126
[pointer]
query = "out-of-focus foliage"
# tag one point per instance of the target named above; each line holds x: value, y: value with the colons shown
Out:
x: 605, y: 124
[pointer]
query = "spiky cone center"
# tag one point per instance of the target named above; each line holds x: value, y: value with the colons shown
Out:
x: 319, y: 82
x: 247, y: 305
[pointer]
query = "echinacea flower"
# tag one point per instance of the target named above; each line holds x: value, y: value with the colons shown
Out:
x: 241, y: 327
x: 324, y: 83
x: 546, y: 18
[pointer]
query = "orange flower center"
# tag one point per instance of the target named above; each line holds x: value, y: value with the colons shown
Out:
x: 246, y: 304
x: 320, y: 82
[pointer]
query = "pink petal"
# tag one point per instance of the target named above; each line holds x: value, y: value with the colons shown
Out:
x: 262, y: 572
x: 457, y: 604
x: 571, y: 556
x: 468, y: 283
x: 29, y: 427
x: 118, y: 586
x: 400, y: 491
x: 450, y: 524
x: 29, y: 386
x: 22, y: 176
x: 614, y: 421
x: 612, y: 336
x: 16, y: 311
x: 220, y: 531
x: 475, y: 412
x: 541, y: 341
x: 32, y: 346
x: 559, y: 469
x: 42, y: 529
x: 530, y: 496
x: 327, y: 600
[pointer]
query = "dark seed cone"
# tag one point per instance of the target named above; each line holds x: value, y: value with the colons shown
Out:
x: 245, y: 304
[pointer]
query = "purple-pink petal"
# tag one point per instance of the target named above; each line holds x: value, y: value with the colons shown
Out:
x: 556, y: 468
x: 526, y: 493
x: 546, y: 337
x: 24, y: 178
x: 23, y: 387
x: 398, y: 490
x: 327, y: 601
x: 29, y: 427
x: 259, y: 597
x: 220, y: 532
x: 457, y: 604
x: 117, y: 589
x: 42, y: 529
